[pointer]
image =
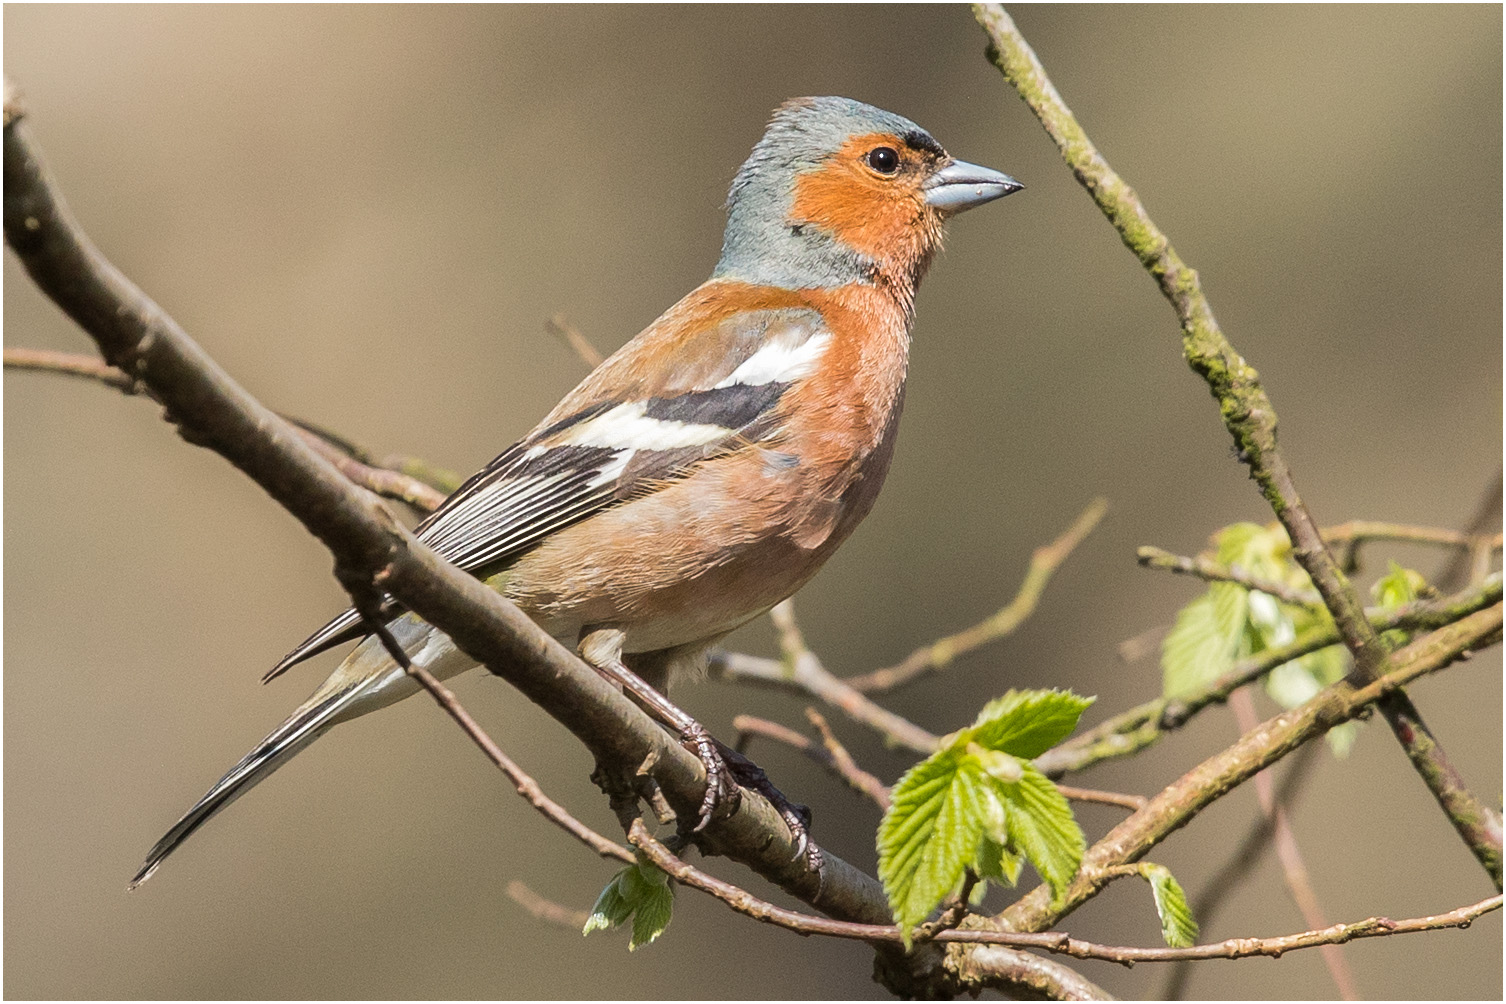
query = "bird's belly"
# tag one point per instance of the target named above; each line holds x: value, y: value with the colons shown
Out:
x: 668, y: 569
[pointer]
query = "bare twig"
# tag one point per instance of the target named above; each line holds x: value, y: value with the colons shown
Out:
x: 568, y: 333
x: 1474, y: 564
x: 1293, y: 868
x: 748, y: 726
x: 939, y: 654
x: 1117, y: 798
x: 746, y: 903
x: 1360, y: 530
x: 1250, y: 418
x: 1213, y: 571
x: 70, y: 363
x: 387, y: 482
x: 545, y: 909
x: 845, y: 766
x: 801, y: 672
x: 526, y: 785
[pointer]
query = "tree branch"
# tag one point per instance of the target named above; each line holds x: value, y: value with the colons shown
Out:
x: 1213, y: 571
x: 1062, y: 943
x: 801, y: 672
x: 1184, y: 798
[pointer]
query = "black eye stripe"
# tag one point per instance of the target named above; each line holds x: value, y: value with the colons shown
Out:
x: 883, y: 159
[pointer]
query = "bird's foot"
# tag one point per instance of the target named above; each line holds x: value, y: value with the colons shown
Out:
x: 722, y: 793
x: 796, y: 816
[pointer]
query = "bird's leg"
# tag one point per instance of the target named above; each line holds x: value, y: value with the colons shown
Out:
x: 602, y: 650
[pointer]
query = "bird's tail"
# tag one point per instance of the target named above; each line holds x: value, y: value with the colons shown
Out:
x: 369, y: 679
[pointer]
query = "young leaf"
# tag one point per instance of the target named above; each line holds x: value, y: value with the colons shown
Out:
x: 1026, y: 723
x: 1205, y: 640
x: 1041, y: 825
x: 931, y: 832
x: 612, y: 907
x: 997, y: 863
x: 655, y: 906
x: 640, y: 891
x: 1178, y: 928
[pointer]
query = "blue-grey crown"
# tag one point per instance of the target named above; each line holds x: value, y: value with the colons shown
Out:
x: 759, y: 245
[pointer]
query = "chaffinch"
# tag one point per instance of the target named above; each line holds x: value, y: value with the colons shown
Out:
x: 709, y: 467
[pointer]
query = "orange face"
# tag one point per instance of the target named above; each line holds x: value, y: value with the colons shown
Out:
x: 869, y: 196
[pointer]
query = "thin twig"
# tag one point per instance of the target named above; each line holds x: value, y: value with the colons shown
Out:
x: 1474, y: 564
x: 1133, y: 730
x: 801, y: 672
x: 545, y: 909
x: 845, y: 766
x: 387, y: 482
x: 746, y: 903
x: 748, y: 726
x: 1118, y: 798
x: 1293, y: 868
x: 1214, y: 571
x: 1360, y: 530
x: 72, y: 364
x: 526, y: 785
x: 568, y: 333
x: 1250, y: 418
x: 939, y: 654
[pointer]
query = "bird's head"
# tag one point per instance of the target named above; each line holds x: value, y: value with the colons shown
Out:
x: 837, y: 192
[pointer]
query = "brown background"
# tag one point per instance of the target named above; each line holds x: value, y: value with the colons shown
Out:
x: 364, y: 214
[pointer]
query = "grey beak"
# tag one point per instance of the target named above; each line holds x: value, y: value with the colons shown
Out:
x: 960, y: 186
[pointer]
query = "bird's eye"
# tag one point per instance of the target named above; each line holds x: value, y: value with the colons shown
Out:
x: 883, y: 159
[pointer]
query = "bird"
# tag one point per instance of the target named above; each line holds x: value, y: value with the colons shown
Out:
x: 708, y: 468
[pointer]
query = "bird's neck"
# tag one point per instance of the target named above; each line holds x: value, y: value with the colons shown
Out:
x: 801, y: 256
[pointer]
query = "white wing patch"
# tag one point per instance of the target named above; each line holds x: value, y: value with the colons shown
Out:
x: 781, y: 359
x: 628, y: 427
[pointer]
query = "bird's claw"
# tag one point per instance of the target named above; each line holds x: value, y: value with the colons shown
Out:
x: 722, y: 793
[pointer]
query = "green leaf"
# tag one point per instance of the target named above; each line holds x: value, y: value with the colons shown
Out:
x: 653, y: 914
x: 1205, y: 640
x: 931, y: 831
x: 1026, y: 723
x: 640, y: 891
x: 1178, y: 928
x: 1399, y: 585
x: 997, y: 863
x: 1042, y: 826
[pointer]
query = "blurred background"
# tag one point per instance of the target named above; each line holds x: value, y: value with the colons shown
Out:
x: 366, y: 214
